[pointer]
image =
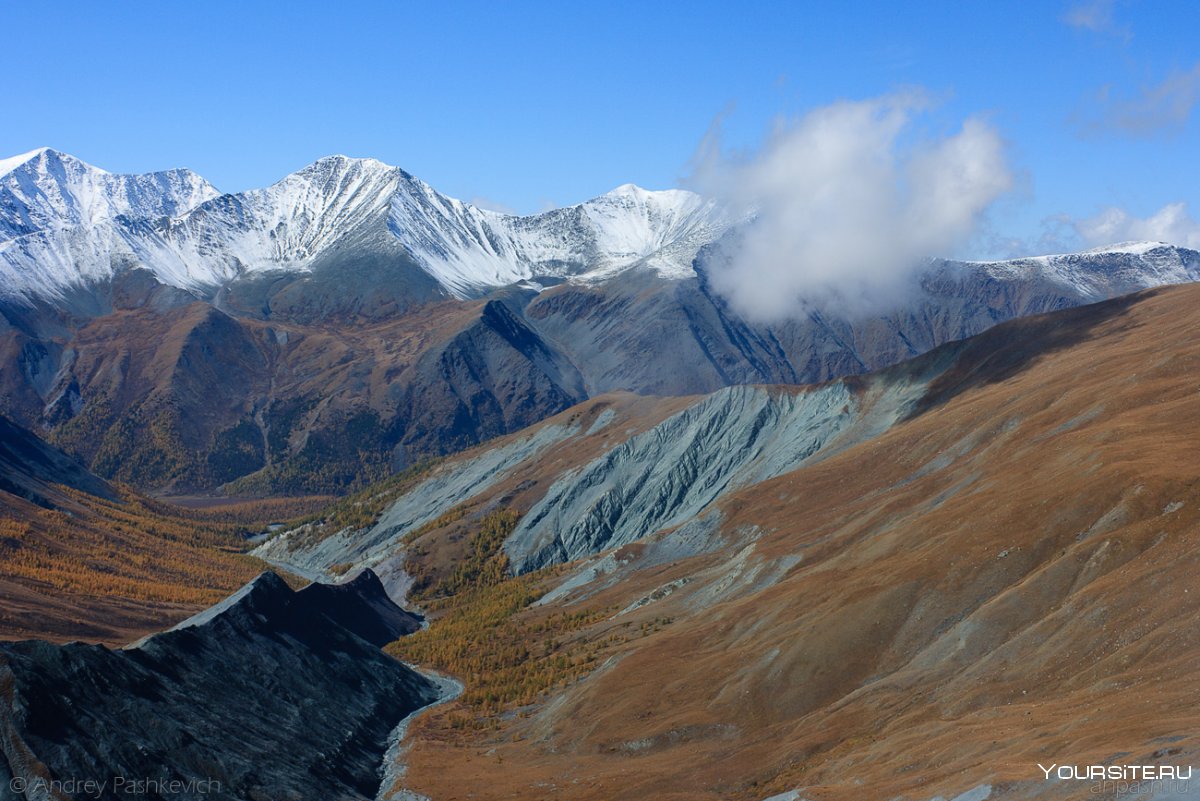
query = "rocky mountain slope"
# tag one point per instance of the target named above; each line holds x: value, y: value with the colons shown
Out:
x: 615, y: 469
x: 316, y: 406
x: 271, y: 694
x: 914, y: 584
x: 33, y: 470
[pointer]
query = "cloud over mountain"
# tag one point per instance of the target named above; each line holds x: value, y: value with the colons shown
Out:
x: 1172, y: 223
x: 848, y: 201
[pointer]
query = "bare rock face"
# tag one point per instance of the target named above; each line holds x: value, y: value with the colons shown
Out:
x: 271, y: 694
x: 669, y: 474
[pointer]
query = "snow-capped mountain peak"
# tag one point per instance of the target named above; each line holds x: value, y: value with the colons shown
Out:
x: 305, y: 212
x: 45, y: 189
x: 339, y: 161
x: 9, y: 164
x: 1135, y: 248
x: 468, y: 249
x: 65, y: 223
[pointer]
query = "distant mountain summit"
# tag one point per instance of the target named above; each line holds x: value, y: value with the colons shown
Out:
x: 468, y: 249
x: 1099, y: 273
x: 67, y: 226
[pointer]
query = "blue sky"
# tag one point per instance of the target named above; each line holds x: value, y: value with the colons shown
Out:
x: 525, y: 105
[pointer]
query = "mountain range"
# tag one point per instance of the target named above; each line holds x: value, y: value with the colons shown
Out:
x: 359, y: 322
x: 66, y: 224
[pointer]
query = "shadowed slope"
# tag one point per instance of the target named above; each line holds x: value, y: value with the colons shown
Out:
x: 29, y: 469
x: 82, y: 559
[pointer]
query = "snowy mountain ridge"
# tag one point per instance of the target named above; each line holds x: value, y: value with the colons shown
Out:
x: 1100, y: 273
x: 467, y: 248
x: 65, y: 224
x: 47, y: 189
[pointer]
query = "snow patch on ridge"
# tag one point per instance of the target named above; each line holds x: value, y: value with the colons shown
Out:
x: 9, y: 164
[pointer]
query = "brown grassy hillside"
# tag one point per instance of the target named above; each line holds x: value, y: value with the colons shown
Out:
x: 111, y: 571
x: 1008, y: 577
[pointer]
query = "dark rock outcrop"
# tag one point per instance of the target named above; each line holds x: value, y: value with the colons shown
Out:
x: 271, y: 694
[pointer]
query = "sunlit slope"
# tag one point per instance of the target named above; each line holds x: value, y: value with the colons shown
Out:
x: 1005, y: 577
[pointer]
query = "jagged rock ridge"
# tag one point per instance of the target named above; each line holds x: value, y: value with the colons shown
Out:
x: 271, y: 694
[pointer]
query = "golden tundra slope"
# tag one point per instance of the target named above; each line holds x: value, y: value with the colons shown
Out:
x: 1008, y: 577
x: 112, y: 571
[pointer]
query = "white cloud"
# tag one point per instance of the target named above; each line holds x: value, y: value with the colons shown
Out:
x: 846, y: 208
x: 1172, y: 224
x: 1164, y: 106
x: 1161, y: 107
x: 1057, y: 234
